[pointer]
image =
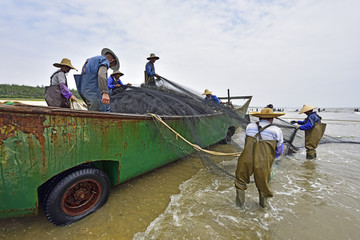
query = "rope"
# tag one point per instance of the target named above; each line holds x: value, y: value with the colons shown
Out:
x: 196, y: 147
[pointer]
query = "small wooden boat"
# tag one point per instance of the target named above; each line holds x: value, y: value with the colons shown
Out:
x: 66, y: 160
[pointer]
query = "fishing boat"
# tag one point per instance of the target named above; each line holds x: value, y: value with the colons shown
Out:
x: 66, y: 160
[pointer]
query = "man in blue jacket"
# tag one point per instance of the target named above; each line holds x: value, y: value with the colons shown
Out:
x: 150, y: 73
x: 209, y: 98
x: 92, y: 84
x: 314, y: 130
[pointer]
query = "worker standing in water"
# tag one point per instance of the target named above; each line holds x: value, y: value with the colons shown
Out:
x: 263, y: 143
x: 314, y: 130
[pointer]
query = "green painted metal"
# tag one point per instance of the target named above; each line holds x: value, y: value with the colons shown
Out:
x: 37, y: 143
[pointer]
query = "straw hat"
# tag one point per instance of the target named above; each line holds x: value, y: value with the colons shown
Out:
x: 152, y: 55
x: 117, y: 65
x: 64, y: 62
x: 306, y: 108
x: 266, y: 113
x: 117, y: 72
x: 206, y: 92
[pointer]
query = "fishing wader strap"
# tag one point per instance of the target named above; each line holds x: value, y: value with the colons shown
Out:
x: 260, y: 129
x: 256, y: 158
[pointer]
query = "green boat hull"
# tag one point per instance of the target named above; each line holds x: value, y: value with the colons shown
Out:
x: 38, y: 143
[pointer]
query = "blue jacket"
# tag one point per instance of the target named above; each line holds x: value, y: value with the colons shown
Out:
x: 87, y: 83
x: 150, y: 69
x: 112, y: 82
x: 94, y: 63
x: 310, y: 121
x: 212, y: 98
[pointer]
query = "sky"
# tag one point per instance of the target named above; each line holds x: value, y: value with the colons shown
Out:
x: 287, y: 53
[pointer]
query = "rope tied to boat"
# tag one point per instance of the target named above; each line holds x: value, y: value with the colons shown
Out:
x: 195, y: 146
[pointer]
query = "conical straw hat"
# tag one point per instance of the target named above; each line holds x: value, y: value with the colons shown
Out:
x: 206, y: 92
x: 266, y: 113
x: 64, y: 62
x: 306, y: 108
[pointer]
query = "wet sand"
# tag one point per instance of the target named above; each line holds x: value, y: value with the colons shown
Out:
x: 131, y: 207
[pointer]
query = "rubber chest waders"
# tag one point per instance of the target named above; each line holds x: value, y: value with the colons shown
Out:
x: 257, y: 157
x: 312, y: 139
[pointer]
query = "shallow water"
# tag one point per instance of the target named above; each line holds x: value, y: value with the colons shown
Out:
x: 313, y: 199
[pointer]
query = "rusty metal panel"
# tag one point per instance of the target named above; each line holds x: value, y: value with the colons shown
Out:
x: 37, y: 143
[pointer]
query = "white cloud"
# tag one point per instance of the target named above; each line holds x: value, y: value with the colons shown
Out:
x: 285, y: 52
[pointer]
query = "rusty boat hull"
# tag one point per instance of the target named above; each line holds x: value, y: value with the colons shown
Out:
x: 38, y: 143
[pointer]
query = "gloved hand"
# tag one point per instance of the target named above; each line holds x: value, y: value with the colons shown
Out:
x: 297, y: 127
x: 293, y: 122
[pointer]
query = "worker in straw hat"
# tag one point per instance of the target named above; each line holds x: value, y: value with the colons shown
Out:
x: 92, y: 84
x: 115, y: 82
x: 150, y: 70
x: 209, y: 98
x: 58, y: 94
x: 263, y: 143
x: 314, y: 130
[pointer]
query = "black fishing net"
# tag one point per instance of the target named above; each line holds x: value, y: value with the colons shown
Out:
x: 294, y: 139
x: 169, y: 99
x: 166, y: 98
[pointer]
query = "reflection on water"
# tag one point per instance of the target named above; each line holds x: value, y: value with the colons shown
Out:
x: 313, y: 199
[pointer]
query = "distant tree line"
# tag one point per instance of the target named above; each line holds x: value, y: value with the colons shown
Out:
x: 22, y: 91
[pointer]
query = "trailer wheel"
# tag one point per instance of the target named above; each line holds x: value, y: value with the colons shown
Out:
x: 46, y: 188
x: 77, y: 195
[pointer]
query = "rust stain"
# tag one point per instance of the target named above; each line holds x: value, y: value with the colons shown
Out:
x: 12, y: 123
x: 31, y: 211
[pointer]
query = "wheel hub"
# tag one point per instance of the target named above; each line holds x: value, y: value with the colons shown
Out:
x: 81, y: 197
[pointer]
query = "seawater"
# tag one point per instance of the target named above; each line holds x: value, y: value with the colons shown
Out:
x: 313, y: 199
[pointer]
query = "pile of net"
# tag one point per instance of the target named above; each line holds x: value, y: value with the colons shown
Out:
x: 166, y: 98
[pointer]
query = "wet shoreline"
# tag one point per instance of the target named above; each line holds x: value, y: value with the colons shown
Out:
x: 131, y: 207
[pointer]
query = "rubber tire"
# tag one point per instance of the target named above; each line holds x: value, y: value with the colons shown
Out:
x: 53, y: 209
x: 47, y: 187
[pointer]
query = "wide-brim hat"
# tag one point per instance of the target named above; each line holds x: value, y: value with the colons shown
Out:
x: 306, y: 108
x: 64, y: 62
x: 117, y: 72
x: 266, y: 113
x: 152, y: 55
x: 117, y: 65
x: 206, y: 92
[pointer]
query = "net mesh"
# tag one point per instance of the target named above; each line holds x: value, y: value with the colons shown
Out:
x: 294, y: 139
x: 167, y: 98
